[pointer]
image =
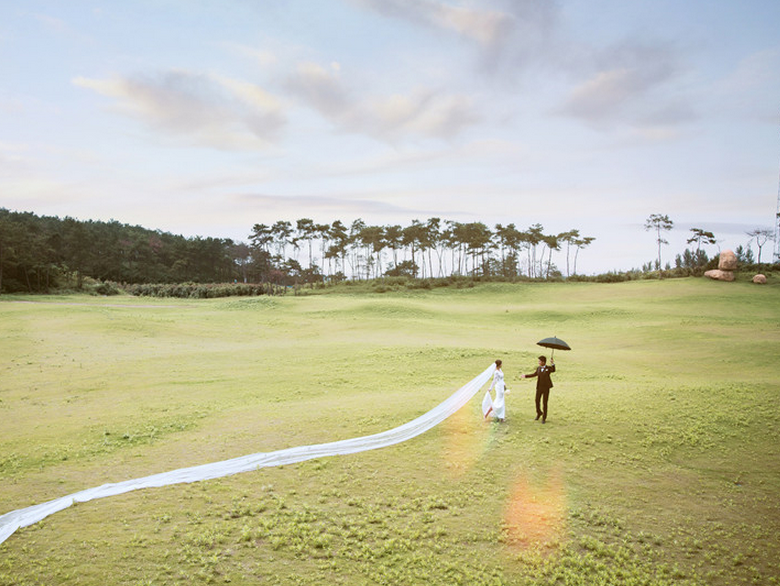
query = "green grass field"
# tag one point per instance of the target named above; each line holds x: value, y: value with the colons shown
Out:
x: 659, y: 464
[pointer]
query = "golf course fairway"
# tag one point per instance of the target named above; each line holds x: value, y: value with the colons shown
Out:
x: 659, y: 463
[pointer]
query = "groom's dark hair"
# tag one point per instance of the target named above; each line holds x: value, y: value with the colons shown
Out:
x: 543, y: 359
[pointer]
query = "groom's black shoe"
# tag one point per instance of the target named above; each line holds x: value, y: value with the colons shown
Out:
x: 538, y: 415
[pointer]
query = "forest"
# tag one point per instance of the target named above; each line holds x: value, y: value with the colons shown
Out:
x: 43, y: 253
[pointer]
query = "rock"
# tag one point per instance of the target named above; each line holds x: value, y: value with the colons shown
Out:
x: 720, y: 275
x: 728, y: 261
x: 760, y: 279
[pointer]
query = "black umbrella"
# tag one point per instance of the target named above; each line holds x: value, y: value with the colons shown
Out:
x: 554, y: 343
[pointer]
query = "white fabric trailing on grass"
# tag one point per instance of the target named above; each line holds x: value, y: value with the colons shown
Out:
x: 14, y: 520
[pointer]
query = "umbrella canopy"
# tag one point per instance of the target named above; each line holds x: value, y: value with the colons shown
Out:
x: 554, y: 343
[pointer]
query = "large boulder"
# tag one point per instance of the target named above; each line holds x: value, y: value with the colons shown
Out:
x: 760, y: 279
x: 720, y: 275
x: 728, y: 261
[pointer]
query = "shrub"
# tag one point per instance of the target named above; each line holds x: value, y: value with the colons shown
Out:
x: 105, y: 288
x: 419, y: 284
x: 204, y: 290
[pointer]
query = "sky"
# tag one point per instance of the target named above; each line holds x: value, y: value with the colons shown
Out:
x: 205, y: 117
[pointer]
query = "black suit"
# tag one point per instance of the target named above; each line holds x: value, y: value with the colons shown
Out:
x: 543, y: 385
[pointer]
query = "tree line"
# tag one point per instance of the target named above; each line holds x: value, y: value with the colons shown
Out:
x: 693, y: 260
x: 41, y: 253
x: 431, y: 249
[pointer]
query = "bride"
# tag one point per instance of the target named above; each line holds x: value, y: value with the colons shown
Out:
x: 496, y: 406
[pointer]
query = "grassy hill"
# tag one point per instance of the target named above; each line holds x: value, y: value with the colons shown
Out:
x: 659, y: 464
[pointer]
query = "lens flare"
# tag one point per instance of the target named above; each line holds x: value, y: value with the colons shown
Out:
x: 535, y: 514
x: 466, y: 437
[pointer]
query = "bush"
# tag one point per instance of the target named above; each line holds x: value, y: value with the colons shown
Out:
x: 419, y: 284
x: 204, y: 290
x: 612, y: 277
x: 103, y: 288
x: 395, y: 281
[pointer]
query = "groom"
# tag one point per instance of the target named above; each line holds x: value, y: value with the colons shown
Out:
x: 543, y: 385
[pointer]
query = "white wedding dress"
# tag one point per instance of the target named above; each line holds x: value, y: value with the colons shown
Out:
x: 12, y: 521
x: 495, y: 406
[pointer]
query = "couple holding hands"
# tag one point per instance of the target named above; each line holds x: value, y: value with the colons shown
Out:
x: 544, y: 383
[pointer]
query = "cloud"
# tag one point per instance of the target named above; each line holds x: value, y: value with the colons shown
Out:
x: 484, y: 26
x: 755, y: 71
x: 475, y: 21
x: 510, y: 34
x: 598, y: 97
x: 323, y: 206
x: 750, y: 90
x: 423, y: 113
x: 203, y: 109
x: 630, y: 86
x: 216, y: 111
x: 321, y: 89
